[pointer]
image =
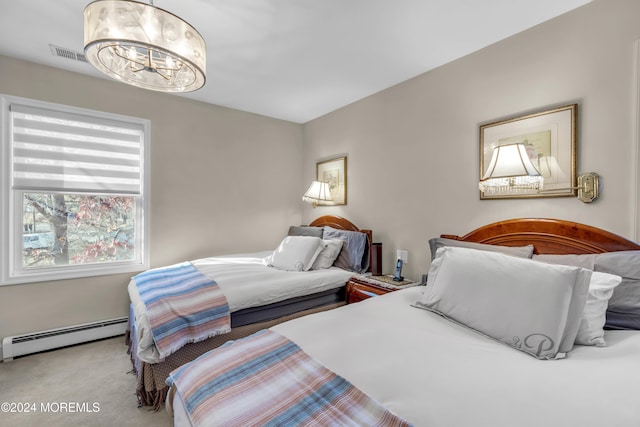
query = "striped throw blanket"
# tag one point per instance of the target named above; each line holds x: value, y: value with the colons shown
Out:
x: 183, y: 306
x: 267, y: 380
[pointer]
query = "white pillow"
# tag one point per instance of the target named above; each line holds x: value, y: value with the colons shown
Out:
x: 328, y: 254
x: 601, y: 289
x: 531, y: 306
x: 584, y: 260
x: 296, y: 253
x: 440, y: 242
x: 591, y: 330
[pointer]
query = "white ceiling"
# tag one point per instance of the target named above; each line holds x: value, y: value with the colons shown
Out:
x: 296, y: 59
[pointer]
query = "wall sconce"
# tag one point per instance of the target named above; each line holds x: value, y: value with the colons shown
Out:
x: 511, y: 171
x: 318, y: 194
x: 588, y: 187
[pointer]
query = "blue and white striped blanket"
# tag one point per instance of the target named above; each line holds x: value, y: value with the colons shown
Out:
x: 267, y: 380
x: 182, y: 305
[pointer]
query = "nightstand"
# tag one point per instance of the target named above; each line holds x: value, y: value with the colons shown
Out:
x: 362, y: 287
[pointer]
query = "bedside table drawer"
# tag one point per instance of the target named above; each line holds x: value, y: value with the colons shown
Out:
x: 357, y: 295
x: 357, y: 291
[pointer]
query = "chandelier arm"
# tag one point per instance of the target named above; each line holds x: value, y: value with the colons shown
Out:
x: 176, y: 69
x: 162, y: 75
x: 126, y: 58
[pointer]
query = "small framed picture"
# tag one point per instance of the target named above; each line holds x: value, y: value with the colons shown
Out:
x: 334, y: 172
x: 550, y: 140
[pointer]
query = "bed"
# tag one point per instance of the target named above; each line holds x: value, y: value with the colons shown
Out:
x: 435, y: 367
x: 260, y: 290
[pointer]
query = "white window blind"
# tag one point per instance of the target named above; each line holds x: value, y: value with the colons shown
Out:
x: 60, y: 151
x: 74, y: 192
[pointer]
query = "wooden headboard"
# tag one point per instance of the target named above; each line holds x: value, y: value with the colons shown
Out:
x: 549, y: 236
x: 342, y: 224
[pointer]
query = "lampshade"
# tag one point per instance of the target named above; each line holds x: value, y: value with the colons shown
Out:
x: 318, y: 194
x: 510, y: 170
x: 144, y: 46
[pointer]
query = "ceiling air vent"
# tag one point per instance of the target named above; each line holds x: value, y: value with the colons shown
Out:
x: 63, y: 52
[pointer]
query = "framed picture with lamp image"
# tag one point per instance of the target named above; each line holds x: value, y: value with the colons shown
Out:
x: 532, y: 155
x: 334, y: 173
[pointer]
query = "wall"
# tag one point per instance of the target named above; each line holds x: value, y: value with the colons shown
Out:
x: 217, y: 177
x: 413, y: 149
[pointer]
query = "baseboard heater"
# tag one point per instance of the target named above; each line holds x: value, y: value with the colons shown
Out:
x: 21, y: 345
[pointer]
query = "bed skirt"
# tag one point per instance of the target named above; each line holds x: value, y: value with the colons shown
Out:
x: 152, y: 390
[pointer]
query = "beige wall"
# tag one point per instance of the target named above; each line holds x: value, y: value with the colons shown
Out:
x: 412, y: 155
x: 222, y: 181
x: 413, y: 161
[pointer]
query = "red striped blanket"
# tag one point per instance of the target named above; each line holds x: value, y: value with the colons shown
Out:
x: 183, y: 306
x: 267, y: 380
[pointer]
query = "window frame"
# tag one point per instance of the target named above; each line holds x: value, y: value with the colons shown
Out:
x: 11, y: 233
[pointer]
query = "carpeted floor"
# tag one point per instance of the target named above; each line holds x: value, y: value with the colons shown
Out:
x: 84, y: 385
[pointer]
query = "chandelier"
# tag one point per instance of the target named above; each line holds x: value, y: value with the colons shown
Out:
x: 143, y: 45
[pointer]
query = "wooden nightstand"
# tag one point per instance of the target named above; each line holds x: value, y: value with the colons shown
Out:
x: 362, y: 287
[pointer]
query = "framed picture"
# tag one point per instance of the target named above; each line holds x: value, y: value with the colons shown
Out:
x: 550, y: 140
x: 334, y: 172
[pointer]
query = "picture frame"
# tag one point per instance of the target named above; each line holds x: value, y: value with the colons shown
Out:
x: 334, y: 172
x: 552, y: 135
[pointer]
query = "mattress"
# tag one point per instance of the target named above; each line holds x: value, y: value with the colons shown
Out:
x: 433, y: 372
x: 263, y: 313
x: 247, y: 282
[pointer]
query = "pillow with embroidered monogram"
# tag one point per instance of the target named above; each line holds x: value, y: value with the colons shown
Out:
x: 528, y: 305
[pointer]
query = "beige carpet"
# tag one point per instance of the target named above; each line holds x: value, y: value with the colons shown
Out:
x: 84, y: 385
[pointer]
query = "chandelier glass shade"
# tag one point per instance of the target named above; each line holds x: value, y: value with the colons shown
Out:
x: 145, y: 46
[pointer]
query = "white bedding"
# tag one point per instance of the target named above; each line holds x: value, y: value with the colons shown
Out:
x: 435, y: 373
x: 246, y: 281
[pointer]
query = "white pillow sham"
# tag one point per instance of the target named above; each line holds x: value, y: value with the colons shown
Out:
x: 601, y: 288
x: 328, y: 254
x: 584, y: 260
x: 441, y: 242
x: 531, y: 306
x: 594, y: 316
x: 296, y: 253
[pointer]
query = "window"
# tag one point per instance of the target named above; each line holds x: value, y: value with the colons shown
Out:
x: 74, y: 192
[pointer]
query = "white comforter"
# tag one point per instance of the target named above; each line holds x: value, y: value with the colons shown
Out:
x: 246, y: 281
x: 435, y: 373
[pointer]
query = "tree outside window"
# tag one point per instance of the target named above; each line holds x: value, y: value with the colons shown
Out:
x: 68, y: 229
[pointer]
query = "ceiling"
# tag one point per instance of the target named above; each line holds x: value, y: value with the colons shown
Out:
x: 296, y: 59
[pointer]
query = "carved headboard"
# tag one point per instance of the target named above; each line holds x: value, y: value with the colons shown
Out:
x: 549, y: 236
